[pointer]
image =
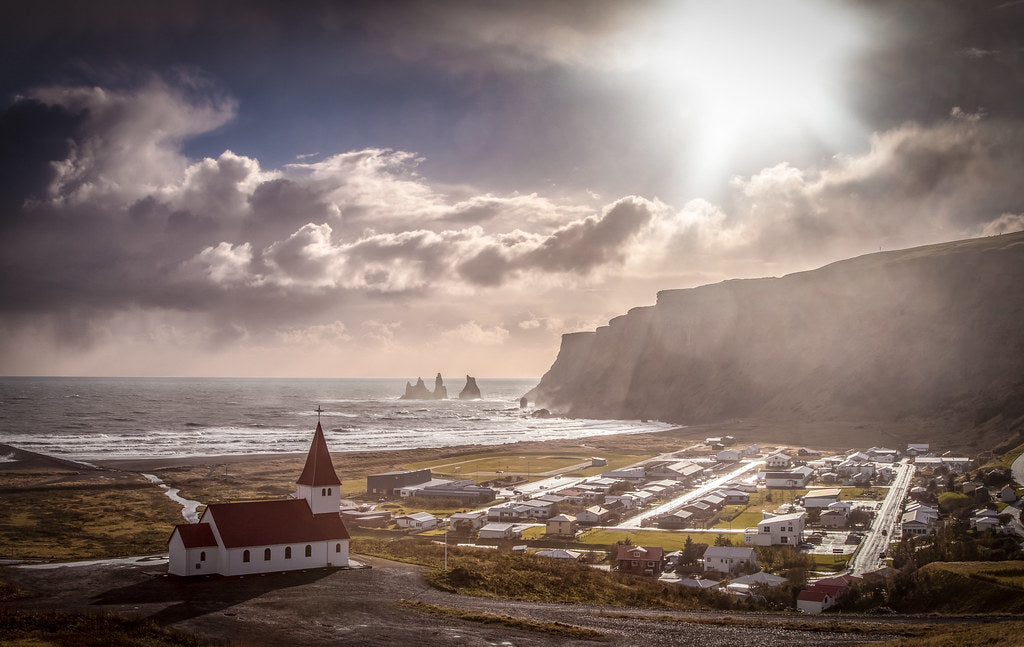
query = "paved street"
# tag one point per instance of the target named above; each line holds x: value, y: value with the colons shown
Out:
x: 887, y: 519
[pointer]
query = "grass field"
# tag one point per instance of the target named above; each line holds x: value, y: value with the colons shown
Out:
x: 670, y: 540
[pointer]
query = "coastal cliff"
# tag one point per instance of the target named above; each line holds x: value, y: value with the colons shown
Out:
x: 419, y: 391
x: 930, y: 332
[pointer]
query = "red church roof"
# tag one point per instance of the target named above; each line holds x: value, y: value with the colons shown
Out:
x: 196, y: 535
x: 267, y: 523
x: 319, y: 469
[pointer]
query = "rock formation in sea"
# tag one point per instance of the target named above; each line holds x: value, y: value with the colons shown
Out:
x: 440, y: 391
x: 471, y: 391
x: 930, y: 334
x: 419, y: 391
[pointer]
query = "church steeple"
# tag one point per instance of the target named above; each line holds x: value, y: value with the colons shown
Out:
x: 319, y: 483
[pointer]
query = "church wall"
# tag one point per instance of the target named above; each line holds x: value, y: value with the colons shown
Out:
x: 323, y: 553
x: 177, y: 560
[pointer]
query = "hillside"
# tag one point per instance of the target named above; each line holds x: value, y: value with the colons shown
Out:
x: 931, y: 333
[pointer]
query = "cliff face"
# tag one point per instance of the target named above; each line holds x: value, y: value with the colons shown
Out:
x: 925, y: 332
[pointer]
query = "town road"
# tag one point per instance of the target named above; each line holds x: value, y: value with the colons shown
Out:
x: 637, y: 521
x: 866, y: 557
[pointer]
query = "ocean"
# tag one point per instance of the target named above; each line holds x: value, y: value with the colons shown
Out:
x: 98, y: 418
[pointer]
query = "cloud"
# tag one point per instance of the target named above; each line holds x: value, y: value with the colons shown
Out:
x: 474, y: 334
x: 115, y: 222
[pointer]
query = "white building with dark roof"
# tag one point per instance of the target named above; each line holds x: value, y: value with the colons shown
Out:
x: 268, y: 536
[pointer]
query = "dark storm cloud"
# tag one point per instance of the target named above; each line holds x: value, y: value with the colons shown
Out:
x: 932, y: 55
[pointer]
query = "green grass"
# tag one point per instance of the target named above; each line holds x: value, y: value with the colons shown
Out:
x: 558, y: 628
x: 830, y: 562
x: 746, y: 519
x: 1006, y: 460
x: 670, y: 540
x: 861, y: 494
x: 537, y: 532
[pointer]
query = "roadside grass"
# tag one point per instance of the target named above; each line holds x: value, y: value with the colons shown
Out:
x: 558, y: 628
x: 46, y: 628
x: 1009, y: 573
x: 1006, y: 460
x: 990, y: 634
x: 830, y: 562
x: 83, y: 521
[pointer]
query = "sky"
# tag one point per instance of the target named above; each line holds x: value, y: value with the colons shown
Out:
x: 354, y: 189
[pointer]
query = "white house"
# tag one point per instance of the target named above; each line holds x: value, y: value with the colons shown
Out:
x: 778, y: 461
x: 833, y: 519
x: 268, y: 536
x: 728, y: 456
x: 919, y: 520
x: 499, y: 531
x: 813, y: 601
x: 593, y: 515
x: 468, y: 520
x: 1008, y: 494
x: 793, y: 478
x: 821, y: 497
x: 784, y: 529
x: 729, y: 559
x: 417, y: 521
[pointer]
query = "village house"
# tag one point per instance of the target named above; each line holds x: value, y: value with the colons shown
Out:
x: 629, y: 474
x: 813, y: 601
x: 563, y: 525
x: 417, y: 521
x: 269, y: 536
x: 760, y: 578
x: 750, y: 451
x: 733, y: 497
x: 677, y: 520
x: 640, y: 560
x: 499, y: 531
x: 593, y: 516
x: 833, y: 519
x: 1008, y: 494
x: 919, y: 520
x: 781, y: 530
x: 559, y: 553
x: 821, y: 498
x: 729, y: 559
x: 917, y: 449
x: 883, y: 455
x: 795, y: 478
x: 778, y: 461
x: 685, y: 471
x: 468, y: 521
x: 728, y: 456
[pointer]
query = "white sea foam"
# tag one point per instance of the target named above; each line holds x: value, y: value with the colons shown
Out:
x: 204, y: 417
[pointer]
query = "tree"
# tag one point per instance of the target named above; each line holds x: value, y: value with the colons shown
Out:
x: 722, y: 540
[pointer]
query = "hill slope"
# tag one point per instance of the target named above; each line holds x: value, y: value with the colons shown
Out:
x: 932, y: 332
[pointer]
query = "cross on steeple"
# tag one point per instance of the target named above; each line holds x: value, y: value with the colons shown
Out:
x: 318, y: 412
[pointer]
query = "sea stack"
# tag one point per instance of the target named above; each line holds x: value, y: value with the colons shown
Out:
x: 440, y: 392
x: 471, y: 391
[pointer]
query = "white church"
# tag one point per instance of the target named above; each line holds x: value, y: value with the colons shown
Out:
x: 268, y: 536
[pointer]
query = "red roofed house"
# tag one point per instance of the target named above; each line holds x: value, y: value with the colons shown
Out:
x: 267, y: 536
x: 640, y: 560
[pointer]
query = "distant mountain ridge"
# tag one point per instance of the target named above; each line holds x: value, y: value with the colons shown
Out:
x: 928, y: 332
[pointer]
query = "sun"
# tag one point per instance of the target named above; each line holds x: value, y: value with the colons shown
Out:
x: 738, y: 78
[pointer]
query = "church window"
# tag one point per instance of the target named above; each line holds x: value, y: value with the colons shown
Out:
x: 245, y: 556
x: 202, y: 556
x: 337, y: 548
x: 266, y: 555
x: 329, y: 491
x: 309, y: 550
x: 323, y: 491
x: 287, y: 552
